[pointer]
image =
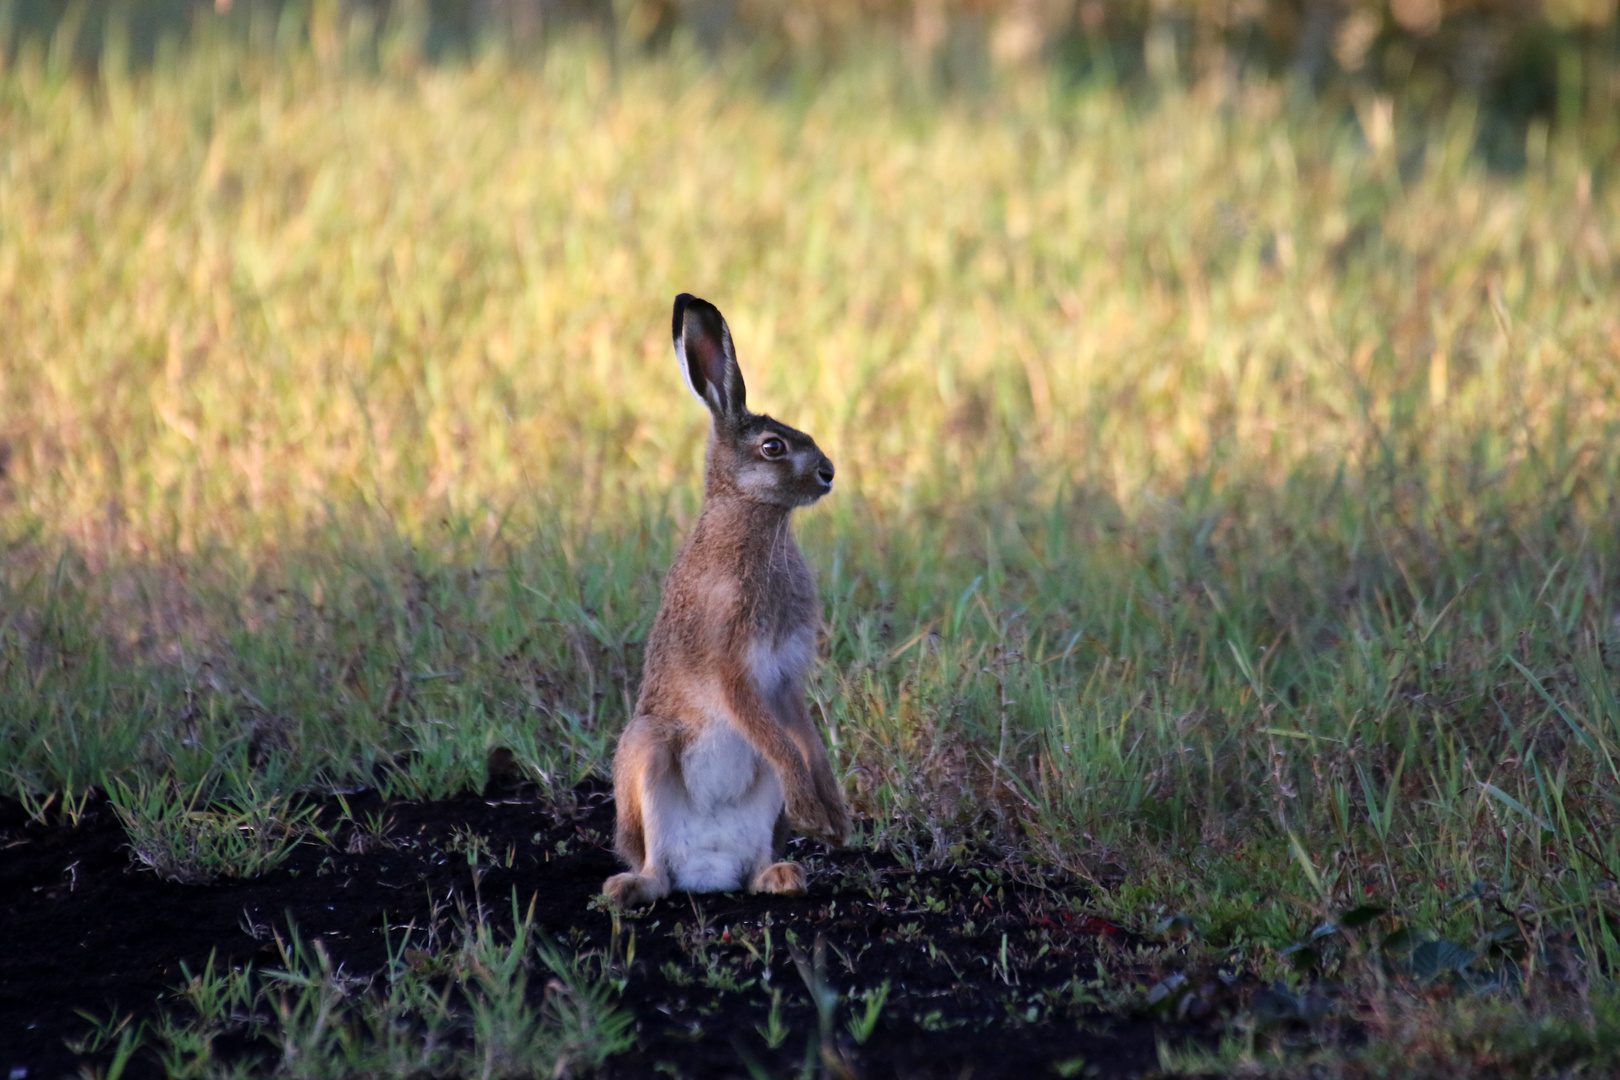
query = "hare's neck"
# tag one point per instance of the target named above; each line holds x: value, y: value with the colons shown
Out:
x: 751, y: 546
x: 749, y: 524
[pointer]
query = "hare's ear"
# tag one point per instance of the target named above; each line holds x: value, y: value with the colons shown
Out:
x: 708, y: 361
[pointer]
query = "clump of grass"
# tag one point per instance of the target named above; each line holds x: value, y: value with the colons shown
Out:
x: 70, y: 805
x: 184, y: 836
x: 1501, y: 1039
x: 457, y: 1004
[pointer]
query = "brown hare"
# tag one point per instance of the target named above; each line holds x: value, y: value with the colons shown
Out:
x: 721, y: 756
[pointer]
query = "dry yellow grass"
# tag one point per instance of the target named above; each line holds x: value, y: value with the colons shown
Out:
x: 241, y: 292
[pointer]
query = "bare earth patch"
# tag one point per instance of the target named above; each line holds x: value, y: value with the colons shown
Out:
x: 987, y: 975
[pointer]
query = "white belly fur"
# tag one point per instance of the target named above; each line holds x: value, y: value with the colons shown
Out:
x: 719, y: 819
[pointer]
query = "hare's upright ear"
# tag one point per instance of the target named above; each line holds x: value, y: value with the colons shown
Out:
x: 708, y: 361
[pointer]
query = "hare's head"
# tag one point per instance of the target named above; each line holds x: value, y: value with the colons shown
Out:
x: 751, y: 455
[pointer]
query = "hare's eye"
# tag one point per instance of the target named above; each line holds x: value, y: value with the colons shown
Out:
x: 773, y: 447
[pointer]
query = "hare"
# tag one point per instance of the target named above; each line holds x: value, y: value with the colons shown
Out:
x: 721, y: 755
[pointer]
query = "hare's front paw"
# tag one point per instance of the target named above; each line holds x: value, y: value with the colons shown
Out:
x: 783, y: 878
x: 808, y: 814
x: 838, y: 819
x: 633, y: 890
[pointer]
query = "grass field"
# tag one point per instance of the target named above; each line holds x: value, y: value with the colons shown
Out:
x: 1227, y: 504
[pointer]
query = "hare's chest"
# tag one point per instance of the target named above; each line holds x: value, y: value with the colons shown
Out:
x: 784, y: 639
x: 720, y: 768
x: 780, y: 664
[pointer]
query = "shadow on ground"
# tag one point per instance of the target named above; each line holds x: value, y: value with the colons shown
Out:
x: 983, y: 965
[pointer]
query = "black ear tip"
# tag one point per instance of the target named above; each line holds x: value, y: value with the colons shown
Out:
x: 680, y: 314
x: 709, y: 316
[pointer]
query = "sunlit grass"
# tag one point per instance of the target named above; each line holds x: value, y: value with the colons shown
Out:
x: 243, y: 292
x: 1226, y: 503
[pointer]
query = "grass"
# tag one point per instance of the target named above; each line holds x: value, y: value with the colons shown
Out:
x: 464, y: 995
x: 1227, y: 485
x: 192, y: 838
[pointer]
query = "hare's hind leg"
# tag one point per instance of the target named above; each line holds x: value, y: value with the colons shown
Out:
x: 641, y: 762
x: 635, y: 890
x: 784, y: 878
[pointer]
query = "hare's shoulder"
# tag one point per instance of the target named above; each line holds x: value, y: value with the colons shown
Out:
x: 739, y: 578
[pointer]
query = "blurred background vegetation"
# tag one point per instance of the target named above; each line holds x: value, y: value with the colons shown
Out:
x: 1520, y: 59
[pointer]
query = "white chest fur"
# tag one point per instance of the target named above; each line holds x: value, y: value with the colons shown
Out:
x: 779, y: 667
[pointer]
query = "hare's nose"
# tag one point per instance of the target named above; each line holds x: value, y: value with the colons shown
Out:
x: 825, y: 472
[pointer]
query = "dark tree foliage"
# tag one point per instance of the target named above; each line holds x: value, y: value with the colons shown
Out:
x: 1521, y: 59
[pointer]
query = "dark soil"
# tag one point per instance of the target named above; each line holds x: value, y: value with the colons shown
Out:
x: 82, y: 928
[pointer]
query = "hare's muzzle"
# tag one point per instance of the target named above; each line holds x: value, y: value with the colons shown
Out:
x: 824, y: 473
